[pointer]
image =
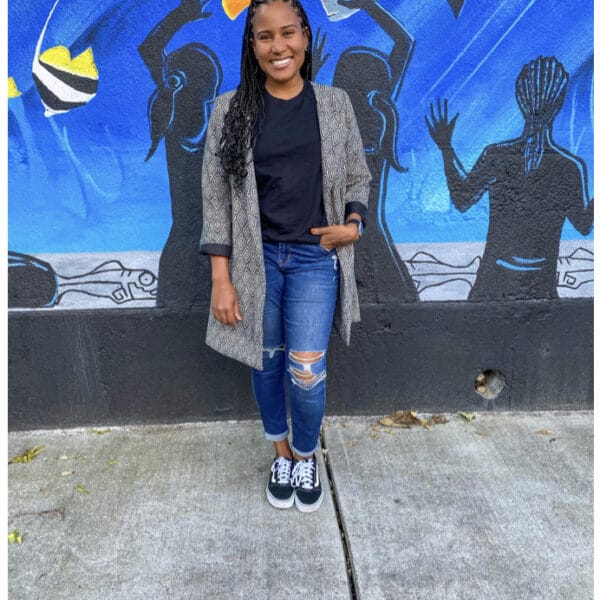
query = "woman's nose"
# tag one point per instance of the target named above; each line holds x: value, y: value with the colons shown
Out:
x: 278, y: 45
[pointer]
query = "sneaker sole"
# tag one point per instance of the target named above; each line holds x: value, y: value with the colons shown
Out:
x: 278, y: 503
x: 308, y: 508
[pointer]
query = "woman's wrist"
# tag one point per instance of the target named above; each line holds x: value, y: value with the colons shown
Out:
x: 220, y: 269
x: 357, y: 225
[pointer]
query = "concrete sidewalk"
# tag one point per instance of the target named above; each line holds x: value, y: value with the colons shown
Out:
x: 489, y: 509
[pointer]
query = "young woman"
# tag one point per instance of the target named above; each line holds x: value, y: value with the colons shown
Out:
x: 285, y: 189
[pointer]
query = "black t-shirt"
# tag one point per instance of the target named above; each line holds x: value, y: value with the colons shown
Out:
x: 287, y: 163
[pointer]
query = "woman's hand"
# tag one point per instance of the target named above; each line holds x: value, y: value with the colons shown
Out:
x: 223, y: 297
x: 334, y: 236
x: 224, y: 303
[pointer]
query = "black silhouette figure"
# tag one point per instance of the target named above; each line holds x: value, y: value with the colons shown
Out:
x: 533, y: 185
x: 373, y: 80
x: 188, y: 80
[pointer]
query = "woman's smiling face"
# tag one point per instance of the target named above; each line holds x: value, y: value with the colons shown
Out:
x: 279, y: 41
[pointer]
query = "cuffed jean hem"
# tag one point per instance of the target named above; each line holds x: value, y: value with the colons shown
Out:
x: 302, y: 453
x: 276, y: 437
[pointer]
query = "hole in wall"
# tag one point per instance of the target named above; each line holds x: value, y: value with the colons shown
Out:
x: 489, y: 383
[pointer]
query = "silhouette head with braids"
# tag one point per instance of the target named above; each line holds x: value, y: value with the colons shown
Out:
x: 373, y: 79
x: 533, y: 185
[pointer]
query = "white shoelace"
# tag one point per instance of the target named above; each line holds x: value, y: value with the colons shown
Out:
x: 282, y: 469
x: 303, y: 474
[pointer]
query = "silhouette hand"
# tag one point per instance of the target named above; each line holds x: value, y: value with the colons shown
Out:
x: 318, y: 58
x: 194, y: 9
x: 440, y: 128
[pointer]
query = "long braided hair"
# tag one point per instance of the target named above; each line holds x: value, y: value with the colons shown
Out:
x: 247, y: 102
x: 540, y: 89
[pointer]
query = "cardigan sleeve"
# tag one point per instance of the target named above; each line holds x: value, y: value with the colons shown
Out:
x: 216, y: 191
x: 357, y: 172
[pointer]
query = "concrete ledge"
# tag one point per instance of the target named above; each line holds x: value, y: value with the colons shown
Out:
x: 71, y: 368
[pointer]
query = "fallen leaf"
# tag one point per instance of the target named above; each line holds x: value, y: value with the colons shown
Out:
x: 100, y: 431
x: 324, y: 451
x: 482, y: 433
x: 111, y: 462
x: 65, y: 473
x: 28, y: 455
x: 15, y: 536
x: 439, y: 419
x: 468, y: 416
x: 405, y: 419
x: 63, y: 457
x: 82, y: 490
x: 400, y: 418
x: 544, y: 432
x: 389, y: 422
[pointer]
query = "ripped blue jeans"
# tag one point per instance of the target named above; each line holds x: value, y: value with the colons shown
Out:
x: 302, y: 288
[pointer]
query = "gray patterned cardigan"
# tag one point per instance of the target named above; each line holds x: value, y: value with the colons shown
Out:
x: 231, y: 222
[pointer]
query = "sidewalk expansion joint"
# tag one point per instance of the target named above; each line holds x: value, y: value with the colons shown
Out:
x: 338, y: 516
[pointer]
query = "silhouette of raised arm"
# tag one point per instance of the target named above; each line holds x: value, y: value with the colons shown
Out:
x: 152, y: 49
x: 400, y: 55
x: 465, y: 188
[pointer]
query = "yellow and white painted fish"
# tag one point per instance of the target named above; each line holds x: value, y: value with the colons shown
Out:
x: 63, y: 82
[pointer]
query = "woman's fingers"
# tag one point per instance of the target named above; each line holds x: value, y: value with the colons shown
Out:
x: 225, y: 305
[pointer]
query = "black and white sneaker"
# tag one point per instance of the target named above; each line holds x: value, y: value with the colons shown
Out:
x: 306, y: 483
x: 280, y: 492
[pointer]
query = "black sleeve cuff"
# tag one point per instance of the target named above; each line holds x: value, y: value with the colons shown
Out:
x: 357, y: 207
x: 215, y: 249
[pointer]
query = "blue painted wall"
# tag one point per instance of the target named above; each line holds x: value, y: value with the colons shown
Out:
x: 78, y: 182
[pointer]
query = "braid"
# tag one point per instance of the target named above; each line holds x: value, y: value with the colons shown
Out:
x: 540, y: 89
x: 239, y: 122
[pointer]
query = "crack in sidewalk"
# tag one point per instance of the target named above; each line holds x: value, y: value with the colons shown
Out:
x: 338, y: 515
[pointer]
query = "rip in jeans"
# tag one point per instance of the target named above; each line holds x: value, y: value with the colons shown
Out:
x: 307, y: 369
x: 271, y: 351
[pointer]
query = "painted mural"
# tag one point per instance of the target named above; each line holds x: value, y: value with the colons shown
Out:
x: 477, y: 120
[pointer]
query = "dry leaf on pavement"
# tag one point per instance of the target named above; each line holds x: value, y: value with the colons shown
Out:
x: 439, y: 419
x: 27, y: 456
x: 15, y: 536
x: 405, y: 419
x: 401, y: 418
x: 468, y: 416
